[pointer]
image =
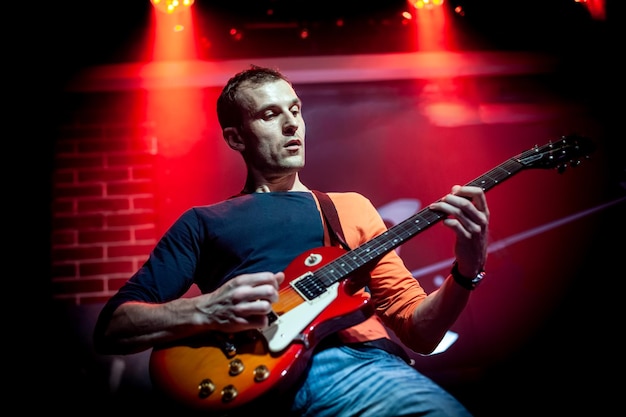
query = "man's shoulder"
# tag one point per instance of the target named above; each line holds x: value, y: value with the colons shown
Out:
x: 348, y: 196
x: 345, y: 194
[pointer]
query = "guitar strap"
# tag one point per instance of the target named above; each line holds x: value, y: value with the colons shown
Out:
x: 329, y: 211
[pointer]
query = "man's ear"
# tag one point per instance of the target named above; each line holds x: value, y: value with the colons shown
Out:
x: 232, y: 137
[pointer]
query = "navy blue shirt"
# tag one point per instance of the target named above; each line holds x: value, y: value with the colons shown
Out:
x: 208, y: 245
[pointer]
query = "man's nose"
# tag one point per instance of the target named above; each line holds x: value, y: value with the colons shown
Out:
x: 291, y: 123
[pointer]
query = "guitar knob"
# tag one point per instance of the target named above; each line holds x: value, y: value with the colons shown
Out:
x: 313, y: 259
x: 229, y: 393
x: 261, y: 373
x: 235, y: 367
x: 206, y: 388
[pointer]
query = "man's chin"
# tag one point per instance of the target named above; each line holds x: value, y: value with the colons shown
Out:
x: 294, y: 163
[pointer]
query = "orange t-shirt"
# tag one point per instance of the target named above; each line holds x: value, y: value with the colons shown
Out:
x: 394, y: 291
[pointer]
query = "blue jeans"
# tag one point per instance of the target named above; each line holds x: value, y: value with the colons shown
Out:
x: 368, y: 382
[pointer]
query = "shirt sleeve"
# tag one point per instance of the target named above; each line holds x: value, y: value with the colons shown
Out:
x: 167, y: 273
x: 395, y: 292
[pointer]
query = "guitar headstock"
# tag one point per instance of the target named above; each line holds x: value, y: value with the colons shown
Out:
x: 566, y: 152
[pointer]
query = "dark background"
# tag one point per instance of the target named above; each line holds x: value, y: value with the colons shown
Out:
x: 568, y: 360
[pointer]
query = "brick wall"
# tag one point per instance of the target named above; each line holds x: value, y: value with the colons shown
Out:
x: 103, y: 202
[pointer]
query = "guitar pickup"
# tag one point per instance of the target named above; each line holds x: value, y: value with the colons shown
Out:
x: 309, y: 286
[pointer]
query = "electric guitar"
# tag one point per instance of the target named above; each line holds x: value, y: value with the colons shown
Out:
x: 218, y: 372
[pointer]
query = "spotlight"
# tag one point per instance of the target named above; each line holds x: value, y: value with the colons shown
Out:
x: 171, y: 6
x: 426, y: 4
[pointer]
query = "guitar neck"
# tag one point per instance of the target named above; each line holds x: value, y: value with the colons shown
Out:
x: 557, y: 156
x: 395, y: 236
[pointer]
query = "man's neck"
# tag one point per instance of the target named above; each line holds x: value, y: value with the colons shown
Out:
x: 284, y: 184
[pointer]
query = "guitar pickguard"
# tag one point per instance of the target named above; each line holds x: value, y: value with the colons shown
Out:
x: 291, y: 324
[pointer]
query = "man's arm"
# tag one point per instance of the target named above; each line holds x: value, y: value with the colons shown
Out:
x: 242, y: 303
x: 468, y: 216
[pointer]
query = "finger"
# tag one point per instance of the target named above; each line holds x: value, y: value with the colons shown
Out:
x: 260, y: 278
x: 472, y: 202
x: 253, y: 307
x: 246, y: 293
x: 458, y: 228
x: 475, y: 194
x: 243, y: 318
x: 280, y: 277
x: 466, y: 212
x: 455, y: 206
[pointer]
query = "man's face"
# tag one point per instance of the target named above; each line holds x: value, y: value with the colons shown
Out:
x: 273, y: 128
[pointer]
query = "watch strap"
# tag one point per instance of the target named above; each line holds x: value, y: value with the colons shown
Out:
x: 466, y: 282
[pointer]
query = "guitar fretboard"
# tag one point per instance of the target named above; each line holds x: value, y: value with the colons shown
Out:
x: 552, y: 155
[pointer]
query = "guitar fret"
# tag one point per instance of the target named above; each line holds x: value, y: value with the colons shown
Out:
x: 333, y: 272
x: 496, y: 175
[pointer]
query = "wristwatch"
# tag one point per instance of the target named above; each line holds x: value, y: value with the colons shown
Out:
x: 466, y: 282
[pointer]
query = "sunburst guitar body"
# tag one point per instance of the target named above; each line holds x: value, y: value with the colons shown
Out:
x: 220, y: 371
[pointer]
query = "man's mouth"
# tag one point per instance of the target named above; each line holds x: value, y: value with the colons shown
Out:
x: 293, y: 144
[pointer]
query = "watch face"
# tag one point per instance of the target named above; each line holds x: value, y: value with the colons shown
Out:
x: 478, y: 278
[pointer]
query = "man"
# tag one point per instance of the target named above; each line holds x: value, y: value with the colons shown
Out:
x: 237, y: 250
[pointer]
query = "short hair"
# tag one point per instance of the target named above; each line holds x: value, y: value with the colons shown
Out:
x: 228, y: 108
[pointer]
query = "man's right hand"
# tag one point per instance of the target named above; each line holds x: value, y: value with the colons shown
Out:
x: 243, y: 303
